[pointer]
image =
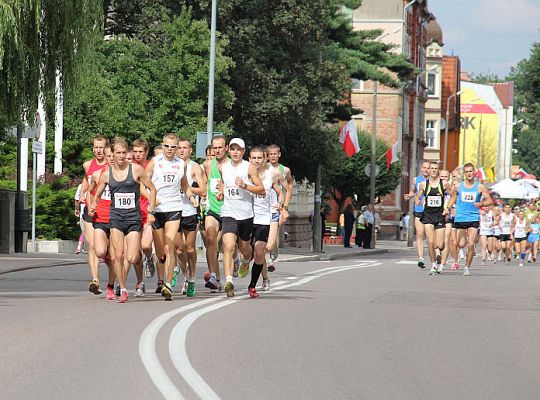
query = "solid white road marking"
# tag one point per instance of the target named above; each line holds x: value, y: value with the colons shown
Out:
x: 292, y: 278
x: 407, y: 262
x: 177, y: 340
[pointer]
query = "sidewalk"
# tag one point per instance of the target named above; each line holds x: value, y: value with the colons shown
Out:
x: 24, y: 261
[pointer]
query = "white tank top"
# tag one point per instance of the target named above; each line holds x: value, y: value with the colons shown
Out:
x: 262, y: 207
x: 506, y: 223
x: 187, y: 208
x: 486, y: 224
x: 519, y: 231
x: 237, y: 202
x: 167, y: 178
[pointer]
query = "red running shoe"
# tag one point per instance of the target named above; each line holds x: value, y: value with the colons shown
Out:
x: 253, y: 293
x: 123, y: 296
x: 110, y: 292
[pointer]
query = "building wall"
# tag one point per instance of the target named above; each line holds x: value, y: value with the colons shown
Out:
x: 433, y: 104
x: 451, y: 84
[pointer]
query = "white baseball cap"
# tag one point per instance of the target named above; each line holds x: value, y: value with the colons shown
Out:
x: 237, y: 141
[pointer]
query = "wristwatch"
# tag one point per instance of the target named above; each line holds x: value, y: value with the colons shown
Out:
x: 153, y: 212
x: 286, y: 208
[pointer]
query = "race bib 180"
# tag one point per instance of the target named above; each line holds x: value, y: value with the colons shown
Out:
x: 124, y: 200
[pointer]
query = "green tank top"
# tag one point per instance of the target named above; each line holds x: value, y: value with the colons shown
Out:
x: 214, y: 204
x: 282, y: 169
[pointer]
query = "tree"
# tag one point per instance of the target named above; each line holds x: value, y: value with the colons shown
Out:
x: 345, y: 177
x: 145, y: 88
x: 527, y: 79
x: 37, y: 39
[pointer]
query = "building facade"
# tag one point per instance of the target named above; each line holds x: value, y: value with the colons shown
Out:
x: 451, y: 86
x: 404, y: 24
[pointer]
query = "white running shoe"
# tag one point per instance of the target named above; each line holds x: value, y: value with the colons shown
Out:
x: 440, y: 269
x: 266, y: 285
x: 432, y: 271
x: 466, y: 271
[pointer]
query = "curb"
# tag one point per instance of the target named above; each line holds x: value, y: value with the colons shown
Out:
x: 15, y: 269
x: 330, y: 257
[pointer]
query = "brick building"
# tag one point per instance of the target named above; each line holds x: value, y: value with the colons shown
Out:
x: 451, y: 78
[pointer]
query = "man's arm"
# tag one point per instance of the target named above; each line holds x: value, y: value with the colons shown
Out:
x: 148, y: 185
x: 257, y: 187
x: 289, y: 187
x: 103, y: 181
x: 419, y: 194
x: 200, y: 177
x: 486, y: 198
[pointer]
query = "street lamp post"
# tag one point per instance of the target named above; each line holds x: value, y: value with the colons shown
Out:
x: 211, y: 75
x: 446, y: 127
x: 414, y: 146
x: 373, y: 161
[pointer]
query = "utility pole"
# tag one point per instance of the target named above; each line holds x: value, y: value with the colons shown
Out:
x: 211, y: 75
x: 373, y: 160
x: 446, y: 127
x: 479, y: 142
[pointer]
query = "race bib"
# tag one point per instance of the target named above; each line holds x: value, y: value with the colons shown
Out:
x: 434, y: 201
x: 106, y: 195
x: 124, y: 200
x: 468, y: 197
x: 260, y: 196
x: 232, y: 193
x: 214, y: 185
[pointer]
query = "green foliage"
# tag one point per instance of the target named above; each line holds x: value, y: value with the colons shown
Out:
x: 54, y: 209
x: 145, y: 88
x: 345, y: 177
x: 527, y: 79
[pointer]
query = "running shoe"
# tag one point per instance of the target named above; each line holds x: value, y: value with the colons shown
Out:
x: 184, y: 286
x: 211, y: 283
x: 93, y: 287
x: 123, y: 297
x: 110, y: 292
x: 175, y: 276
x: 534, y: 259
x: 244, y: 269
x: 159, y: 286
x: 236, y: 266
x: 438, y: 259
x: 455, y: 266
x: 529, y: 258
x: 253, y: 293
x: 149, y: 267
x: 521, y: 263
x: 272, y: 265
x: 440, y: 269
x: 432, y: 271
x: 190, y: 289
x: 229, y: 289
x: 483, y: 261
x: 77, y: 250
x: 266, y: 285
x: 421, y: 263
x: 166, y: 292
x: 466, y: 271
x: 117, y: 290
x: 219, y: 287
x: 140, y: 290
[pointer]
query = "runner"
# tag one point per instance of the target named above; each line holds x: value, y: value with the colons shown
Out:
x: 168, y: 176
x: 187, y: 234
x: 449, y: 245
x: 281, y: 214
x: 124, y: 181
x: 487, y: 234
x: 212, y: 217
x: 418, y: 210
x: 97, y: 163
x: 101, y: 222
x: 497, y: 234
x: 534, y: 236
x: 530, y: 213
x: 520, y: 228
x: 262, y: 209
x: 432, y: 191
x: 470, y: 197
x: 240, y: 180
x: 140, y: 156
x: 507, y: 221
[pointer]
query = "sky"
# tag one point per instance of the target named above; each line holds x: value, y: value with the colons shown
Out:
x: 489, y: 36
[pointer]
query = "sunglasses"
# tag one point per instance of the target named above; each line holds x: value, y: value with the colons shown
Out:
x: 170, y: 146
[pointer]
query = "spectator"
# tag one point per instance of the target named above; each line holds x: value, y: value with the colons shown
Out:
x: 360, y: 228
x: 377, y: 225
x: 348, y: 222
x: 79, y: 211
x: 404, y: 226
x: 370, y: 221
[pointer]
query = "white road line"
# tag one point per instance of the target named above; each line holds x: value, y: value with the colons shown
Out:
x: 177, y: 340
x: 407, y: 262
x: 278, y: 283
x: 292, y: 278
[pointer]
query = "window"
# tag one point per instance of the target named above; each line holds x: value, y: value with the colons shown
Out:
x: 432, y: 84
x: 357, y: 84
x: 431, y: 133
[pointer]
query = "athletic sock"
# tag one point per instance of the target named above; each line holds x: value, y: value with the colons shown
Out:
x: 228, y: 278
x: 213, y: 274
x: 256, y: 270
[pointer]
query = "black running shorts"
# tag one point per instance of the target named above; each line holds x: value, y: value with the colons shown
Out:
x: 189, y: 224
x: 103, y: 227
x: 125, y: 227
x: 163, y: 217
x: 260, y: 233
x: 466, y: 225
x: 435, y: 219
x: 243, y: 228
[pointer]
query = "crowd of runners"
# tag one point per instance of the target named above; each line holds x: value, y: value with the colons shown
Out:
x: 455, y: 211
x: 146, y: 213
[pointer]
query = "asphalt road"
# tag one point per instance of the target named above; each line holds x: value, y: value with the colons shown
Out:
x: 362, y: 328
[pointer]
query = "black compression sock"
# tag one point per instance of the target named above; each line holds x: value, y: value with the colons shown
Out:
x: 256, y: 270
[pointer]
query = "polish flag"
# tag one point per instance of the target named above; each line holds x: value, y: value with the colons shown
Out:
x: 348, y: 137
x: 480, y: 174
x: 392, y: 155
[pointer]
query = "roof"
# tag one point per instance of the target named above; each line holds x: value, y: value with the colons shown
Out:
x: 505, y: 93
x: 434, y: 32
